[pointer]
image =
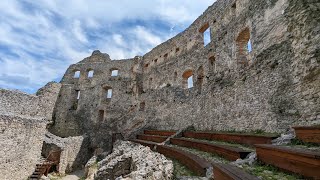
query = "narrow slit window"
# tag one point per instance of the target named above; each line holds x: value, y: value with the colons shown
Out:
x: 109, y: 93
x: 77, y: 74
x: 190, y: 82
x: 78, y: 95
x: 206, y: 37
x: 249, y: 46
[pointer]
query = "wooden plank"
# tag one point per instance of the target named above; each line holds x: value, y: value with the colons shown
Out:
x: 308, y: 134
x: 159, y: 132
x: 230, y: 172
x: 193, y: 162
x: 228, y: 152
x: 158, y: 139
x: 237, y: 138
x: 290, y: 159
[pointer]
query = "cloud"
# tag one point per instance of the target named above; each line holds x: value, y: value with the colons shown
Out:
x: 39, y: 40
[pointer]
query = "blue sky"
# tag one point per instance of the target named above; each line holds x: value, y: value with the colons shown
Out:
x: 40, y: 39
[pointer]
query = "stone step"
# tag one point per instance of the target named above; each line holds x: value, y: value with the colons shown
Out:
x: 230, y: 172
x: 231, y: 137
x: 296, y: 160
x: 159, y: 133
x: 308, y: 134
x: 153, y: 138
x: 228, y: 152
x: 193, y: 162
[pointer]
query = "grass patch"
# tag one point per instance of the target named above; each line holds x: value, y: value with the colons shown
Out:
x: 215, y: 142
x: 180, y: 170
x: 269, y: 172
x: 205, y: 155
x: 298, y: 142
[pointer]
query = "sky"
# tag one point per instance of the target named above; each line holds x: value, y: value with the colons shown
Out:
x: 40, y: 39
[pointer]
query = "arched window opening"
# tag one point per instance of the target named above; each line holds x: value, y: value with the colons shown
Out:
x: 200, y: 76
x: 175, y: 76
x: 187, y: 79
x: 165, y: 56
x: 212, y: 61
x: 150, y: 83
x: 244, y: 47
x: 114, y: 72
x: 77, y: 74
x: 205, y: 31
x: 142, y: 106
x: 90, y: 73
x: 101, y: 115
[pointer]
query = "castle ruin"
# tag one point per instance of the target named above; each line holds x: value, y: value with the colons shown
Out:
x: 259, y: 72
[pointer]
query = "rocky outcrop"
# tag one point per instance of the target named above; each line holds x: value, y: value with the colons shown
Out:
x: 131, y: 161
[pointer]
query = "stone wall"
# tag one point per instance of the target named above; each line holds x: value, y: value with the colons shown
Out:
x: 272, y: 87
x: 23, y: 121
x: 73, y: 154
x: 20, y: 141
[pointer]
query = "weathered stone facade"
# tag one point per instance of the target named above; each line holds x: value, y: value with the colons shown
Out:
x: 23, y: 120
x: 272, y: 87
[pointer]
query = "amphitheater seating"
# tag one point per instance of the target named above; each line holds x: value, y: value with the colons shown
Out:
x: 231, y: 137
x: 308, y: 134
x: 228, y: 152
x: 198, y: 165
x: 300, y: 161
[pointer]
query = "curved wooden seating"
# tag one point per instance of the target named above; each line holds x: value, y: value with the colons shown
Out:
x: 228, y: 152
x: 228, y: 137
x: 308, y: 134
x: 300, y: 161
x: 193, y: 162
x: 159, y: 132
x: 230, y: 172
x: 153, y: 138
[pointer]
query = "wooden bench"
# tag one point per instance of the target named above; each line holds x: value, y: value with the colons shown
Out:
x: 228, y: 137
x: 230, y: 172
x: 153, y: 138
x: 228, y: 152
x: 193, y: 162
x: 299, y: 161
x: 159, y: 132
x: 308, y: 134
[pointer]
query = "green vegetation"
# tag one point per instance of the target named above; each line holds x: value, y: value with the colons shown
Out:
x: 298, y: 142
x: 180, y: 170
x: 268, y: 172
x: 244, y: 147
x: 202, y: 154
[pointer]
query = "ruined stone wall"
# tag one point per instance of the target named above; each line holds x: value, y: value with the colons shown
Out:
x: 23, y: 120
x: 271, y: 88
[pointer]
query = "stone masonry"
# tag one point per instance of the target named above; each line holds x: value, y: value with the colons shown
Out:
x: 23, y: 120
x: 270, y: 87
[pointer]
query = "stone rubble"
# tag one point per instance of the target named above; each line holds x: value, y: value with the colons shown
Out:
x: 130, y: 161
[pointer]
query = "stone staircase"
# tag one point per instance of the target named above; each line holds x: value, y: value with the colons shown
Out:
x: 207, y: 152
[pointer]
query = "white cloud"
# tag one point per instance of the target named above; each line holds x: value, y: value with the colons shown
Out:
x: 39, y: 40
